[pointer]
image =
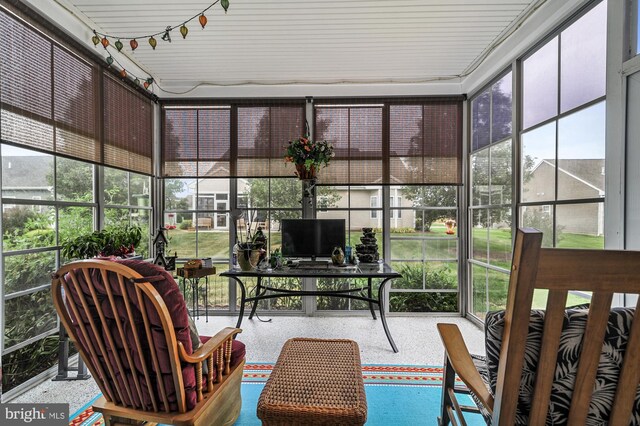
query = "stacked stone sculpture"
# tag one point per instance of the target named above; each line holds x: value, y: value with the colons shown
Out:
x: 368, y: 250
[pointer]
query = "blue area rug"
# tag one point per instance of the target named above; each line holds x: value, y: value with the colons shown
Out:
x: 396, y: 395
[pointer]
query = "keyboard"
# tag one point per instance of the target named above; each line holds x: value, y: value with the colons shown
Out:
x: 314, y: 264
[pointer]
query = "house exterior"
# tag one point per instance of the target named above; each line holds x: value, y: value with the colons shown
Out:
x: 577, y: 178
x: 214, y: 195
x: 15, y: 168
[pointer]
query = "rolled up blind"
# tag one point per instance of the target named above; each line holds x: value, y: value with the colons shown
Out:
x: 245, y: 139
x: 50, y: 100
x: 425, y: 143
x: 395, y: 142
x: 128, y: 128
x: 356, y: 133
x: 197, y: 141
x: 263, y: 134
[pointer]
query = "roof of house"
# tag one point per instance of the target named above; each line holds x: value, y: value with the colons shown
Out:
x: 589, y: 171
x: 15, y: 169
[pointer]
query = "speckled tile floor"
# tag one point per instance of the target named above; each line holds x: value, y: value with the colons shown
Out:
x: 416, y: 338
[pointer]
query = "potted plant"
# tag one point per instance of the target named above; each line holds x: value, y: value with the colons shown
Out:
x: 308, y: 155
x: 250, y: 248
x: 119, y: 241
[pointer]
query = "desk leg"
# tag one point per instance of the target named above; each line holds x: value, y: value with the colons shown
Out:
x: 370, y: 295
x: 243, y: 297
x: 194, y: 297
x: 255, y: 302
x: 206, y: 297
x: 382, y: 317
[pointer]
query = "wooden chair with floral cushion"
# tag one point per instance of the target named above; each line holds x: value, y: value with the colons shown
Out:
x: 559, y: 365
x: 130, y: 325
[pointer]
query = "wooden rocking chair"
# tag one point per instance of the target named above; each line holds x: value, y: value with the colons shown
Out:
x: 130, y: 325
x: 557, y: 366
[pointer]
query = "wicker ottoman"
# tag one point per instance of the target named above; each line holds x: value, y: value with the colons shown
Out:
x: 315, y: 382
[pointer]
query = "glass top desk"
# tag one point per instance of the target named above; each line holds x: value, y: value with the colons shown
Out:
x: 365, y: 293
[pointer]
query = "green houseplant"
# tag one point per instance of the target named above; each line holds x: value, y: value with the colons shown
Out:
x: 308, y: 155
x: 111, y: 241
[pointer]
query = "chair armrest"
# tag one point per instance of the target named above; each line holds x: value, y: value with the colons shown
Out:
x: 212, y: 345
x: 458, y: 355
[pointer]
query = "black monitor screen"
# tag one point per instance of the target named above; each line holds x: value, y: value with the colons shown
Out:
x: 311, y: 237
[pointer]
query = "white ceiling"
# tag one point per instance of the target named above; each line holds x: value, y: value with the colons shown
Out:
x: 279, y: 48
x: 268, y: 42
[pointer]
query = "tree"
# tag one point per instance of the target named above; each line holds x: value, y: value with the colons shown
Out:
x: 282, y: 192
x: 431, y: 196
x: 74, y: 180
x: 172, y: 189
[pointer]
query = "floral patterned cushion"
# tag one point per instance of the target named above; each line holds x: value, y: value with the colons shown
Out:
x: 615, y: 343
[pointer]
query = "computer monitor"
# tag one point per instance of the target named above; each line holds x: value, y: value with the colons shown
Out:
x: 311, y: 237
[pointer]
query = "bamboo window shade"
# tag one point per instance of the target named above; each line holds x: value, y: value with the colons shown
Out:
x: 128, y: 128
x: 197, y: 142
x: 356, y: 133
x: 201, y: 141
x: 51, y: 101
x: 395, y: 142
x: 263, y: 133
x: 425, y: 143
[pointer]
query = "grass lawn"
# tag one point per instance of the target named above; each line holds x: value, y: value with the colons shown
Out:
x: 492, y: 245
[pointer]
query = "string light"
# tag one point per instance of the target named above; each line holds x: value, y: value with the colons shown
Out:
x: 203, y: 21
x: 123, y: 73
x: 164, y: 34
x: 104, y: 39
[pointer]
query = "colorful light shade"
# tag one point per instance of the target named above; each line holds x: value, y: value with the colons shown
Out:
x: 95, y: 39
x: 109, y: 60
x: 153, y: 42
x: 123, y: 73
x: 203, y: 20
x: 105, y: 42
x: 134, y: 44
x: 119, y: 45
x: 184, y: 31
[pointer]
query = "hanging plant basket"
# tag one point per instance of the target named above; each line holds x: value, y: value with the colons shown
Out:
x: 305, y: 174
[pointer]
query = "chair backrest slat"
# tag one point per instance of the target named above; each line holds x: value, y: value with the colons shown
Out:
x: 590, y: 357
x: 629, y: 376
x: 120, y: 377
x: 516, y: 328
x: 589, y: 270
x: 138, y: 342
x: 152, y: 348
x: 601, y: 272
x: 99, y: 351
x: 123, y: 339
x: 554, y: 318
x: 170, y: 336
x: 96, y: 369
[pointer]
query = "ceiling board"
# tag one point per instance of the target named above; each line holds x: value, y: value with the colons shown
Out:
x: 307, y: 41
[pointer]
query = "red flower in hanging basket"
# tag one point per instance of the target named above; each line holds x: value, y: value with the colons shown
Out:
x: 308, y: 156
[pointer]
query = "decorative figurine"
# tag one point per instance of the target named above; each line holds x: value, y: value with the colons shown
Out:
x: 160, y: 242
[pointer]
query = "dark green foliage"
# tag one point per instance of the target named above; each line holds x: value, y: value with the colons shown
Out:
x: 15, y: 217
x: 26, y: 271
x: 423, y: 302
x: 23, y: 364
x: 412, y: 277
x: 28, y: 316
x: 431, y: 196
x: 112, y: 241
